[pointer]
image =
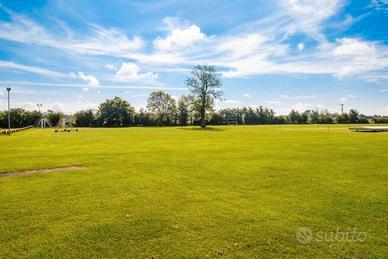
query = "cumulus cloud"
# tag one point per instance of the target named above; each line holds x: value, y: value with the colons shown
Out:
x: 353, y: 47
x: 355, y: 56
x: 179, y: 38
x: 111, y: 67
x: 259, y: 48
x: 131, y: 71
x: 89, y: 79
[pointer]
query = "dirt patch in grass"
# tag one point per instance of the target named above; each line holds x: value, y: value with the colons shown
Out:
x: 44, y: 170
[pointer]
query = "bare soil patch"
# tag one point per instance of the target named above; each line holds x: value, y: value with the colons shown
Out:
x: 44, y: 170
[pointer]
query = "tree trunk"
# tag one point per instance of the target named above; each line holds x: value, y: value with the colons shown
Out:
x: 203, y: 114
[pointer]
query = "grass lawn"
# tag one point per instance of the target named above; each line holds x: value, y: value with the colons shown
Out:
x: 183, y: 192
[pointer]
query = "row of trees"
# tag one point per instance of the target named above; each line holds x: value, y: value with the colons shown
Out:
x: 23, y: 118
x: 163, y: 110
x: 197, y: 108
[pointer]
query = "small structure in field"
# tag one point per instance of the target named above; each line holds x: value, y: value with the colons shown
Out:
x: 65, y: 124
x: 370, y: 129
x: 231, y: 119
x: 43, y: 122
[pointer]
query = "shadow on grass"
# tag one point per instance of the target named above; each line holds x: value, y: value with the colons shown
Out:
x: 203, y: 129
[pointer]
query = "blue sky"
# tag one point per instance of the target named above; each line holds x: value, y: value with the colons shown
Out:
x: 286, y: 54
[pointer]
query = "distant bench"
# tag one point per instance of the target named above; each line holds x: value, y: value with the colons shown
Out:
x: 8, y: 132
x: 370, y: 128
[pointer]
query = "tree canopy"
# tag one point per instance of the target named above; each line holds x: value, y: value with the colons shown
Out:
x: 163, y: 106
x: 205, y: 86
x: 116, y: 112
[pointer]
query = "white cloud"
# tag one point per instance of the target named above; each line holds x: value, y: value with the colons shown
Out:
x: 355, y: 56
x: 284, y: 96
x: 111, y: 67
x: 353, y: 47
x: 171, y: 23
x: 232, y: 101
x: 107, y: 41
x: 131, y: 71
x: 89, y: 79
x: 242, y: 45
x: 302, y: 106
x: 100, y: 40
x: 347, y: 97
x: 301, y: 46
x: 136, y: 85
x: 258, y: 48
x: 380, y: 5
x: 180, y: 38
x: 31, y: 69
x: 246, y: 95
x: 272, y: 102
x: 308, y: 16
x: 317, y: 9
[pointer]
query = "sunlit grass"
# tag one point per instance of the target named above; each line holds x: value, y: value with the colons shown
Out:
x: 170, y: 192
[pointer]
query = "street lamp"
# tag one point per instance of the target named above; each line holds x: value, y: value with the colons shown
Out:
x: 39, y: 106
x: 9, y: 111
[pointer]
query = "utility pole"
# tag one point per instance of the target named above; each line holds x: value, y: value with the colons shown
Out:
x: 342, y: 109
x: 9, y: 111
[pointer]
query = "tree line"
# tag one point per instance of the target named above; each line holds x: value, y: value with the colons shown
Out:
x: 196, y: 108
x: 163, y: 110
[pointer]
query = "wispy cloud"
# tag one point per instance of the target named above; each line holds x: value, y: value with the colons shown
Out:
x: 89, y: 79
x: 260, y: 47
x: 136, y: 85
x: 31, y: 69
x: 100, y: 40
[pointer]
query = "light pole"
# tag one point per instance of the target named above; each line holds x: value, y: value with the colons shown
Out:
x: 9, y: 111
x: 41, y: 119
x: 342, y: 109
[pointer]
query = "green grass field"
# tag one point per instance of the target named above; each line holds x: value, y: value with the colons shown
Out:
x: 184, y: 192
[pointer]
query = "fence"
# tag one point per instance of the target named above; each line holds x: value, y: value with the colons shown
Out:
x: 8, y: 132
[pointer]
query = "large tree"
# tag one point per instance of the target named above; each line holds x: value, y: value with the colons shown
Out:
x: 184, y: 104
x: 85, y: 118
x: 205, y: 86
x: 163, y: 106
x: 116, y: 112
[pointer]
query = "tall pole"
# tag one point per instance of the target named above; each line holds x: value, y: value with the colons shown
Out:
x: 9, y: 111
x: 342, y: 109
x: 41, y: 119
